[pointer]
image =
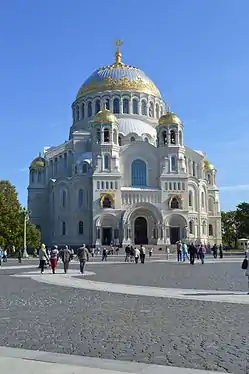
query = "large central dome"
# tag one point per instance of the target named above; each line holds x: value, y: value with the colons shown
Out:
x: 118, y: 77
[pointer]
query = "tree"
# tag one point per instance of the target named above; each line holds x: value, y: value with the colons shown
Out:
x: 12, y: 219
x: 229, y: 228
x: 242, y: 220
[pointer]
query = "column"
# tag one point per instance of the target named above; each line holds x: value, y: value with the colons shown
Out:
x: 98, y: 236
x: 161, y: 234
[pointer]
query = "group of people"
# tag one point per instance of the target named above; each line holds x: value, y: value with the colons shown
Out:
x: 192, y: 252
x: 133, y: 254
x: 3, y: 255
x: 52, y: 256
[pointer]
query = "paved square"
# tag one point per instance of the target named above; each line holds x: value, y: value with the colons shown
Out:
x: 184, y: 333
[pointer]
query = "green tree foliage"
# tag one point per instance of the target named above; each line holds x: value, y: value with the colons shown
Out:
x: 242, y: 220
x: 229, y: 228
x: 12, y: 219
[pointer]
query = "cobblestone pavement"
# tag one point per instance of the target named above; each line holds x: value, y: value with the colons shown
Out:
x: 220, y: 276
x: 185, y: 333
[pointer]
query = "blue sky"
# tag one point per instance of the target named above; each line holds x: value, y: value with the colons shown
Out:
x: 195, y: 51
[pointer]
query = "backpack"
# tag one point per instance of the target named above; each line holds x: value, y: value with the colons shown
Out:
x: 244, y: 265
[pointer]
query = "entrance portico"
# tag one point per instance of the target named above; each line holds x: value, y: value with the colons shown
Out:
x: 107, y: 229
x: 142, y: 225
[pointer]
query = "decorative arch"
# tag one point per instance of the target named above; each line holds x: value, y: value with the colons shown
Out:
x: 82, y: 110
x: 194, y: 189
x: 151, y: 109
x: 146, y: 207
x: 106, y: 161
x: 138, y: 173
x: 164, y: 136
x: 106, y: 135
x: 132, y: 139
x: 107, y: 201
x: 172, y: 137
x: 85, y: 167
x: 210, y: 230
x: 211, y: 205
x: 77, y: 113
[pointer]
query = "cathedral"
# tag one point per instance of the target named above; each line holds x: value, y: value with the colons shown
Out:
x: 125, y: 175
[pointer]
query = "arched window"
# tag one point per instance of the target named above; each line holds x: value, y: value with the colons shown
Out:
x: 39, y: 176
x: 119, y: 140
x: 172, y: 137
x: 135, y: 106
x: 106, y: 135
x: 106, y: 162
x: 173, y: 163
x: 138, y: 173
x: 85, y: 168
x: 157, y: 111
x: 190, y: 198
x: 74, y: 114
x: 174, y: 203
x: 151, y: 110
x: 132, y: 139
x: 32, y: 176
x: 75, y: 169
x: 77, y: 113
x: 144, y: 108
x: 202, y: 200
x: 193, y: 169
x: 161, y: 111
x: 164, y: 137
x: 126, y: 106
x: 97, y: 106
x: 211, y: 205
x: 180, y: 137
x: 116, y: 106
x: 98, y: 136
x: 106, y: 202
x: 83, y: 111
x: 146, y: 140
x: 210, y: 230
x: 89, y: 109
x: 81, y: 228
x: 209, y: 178
x: 191, y: 227
x: 64, y: 199
x: 80, y: 198
x: 63, y: 228
x: 115, y: 136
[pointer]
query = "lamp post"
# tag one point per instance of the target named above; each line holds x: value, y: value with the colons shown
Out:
x: 26, y: 217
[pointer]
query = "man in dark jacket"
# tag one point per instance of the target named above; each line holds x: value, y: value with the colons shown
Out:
x: 65, y: 254
x: 83, y: 256
x: 192, y: 253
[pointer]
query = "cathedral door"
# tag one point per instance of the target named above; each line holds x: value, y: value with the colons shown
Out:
x: 174, y: 234
x: 140, y: 231
x: 106, y: 235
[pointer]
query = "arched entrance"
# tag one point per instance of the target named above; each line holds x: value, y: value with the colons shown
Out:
x: 140, y: 231
x: 177, y: 228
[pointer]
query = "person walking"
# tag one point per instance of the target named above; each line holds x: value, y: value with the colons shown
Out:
x: 150, y: 252
x: 179, y: 251
x: 104, y: 254
x: 202, y: 253
x: 19, y: 256
x: 245, y: 266
x: 192, y: 253
x: 127, y: 253
x: 54, y: 253
x: 215, y: 251
x: 185, y: 254
x: 5, y: 255
x: 83, y: 256
x: 43, y: 257
x: 136, y: 255
x: 167, y: 250
x: 142, y: 254
x: 65, y: 254
x: 220, y: 251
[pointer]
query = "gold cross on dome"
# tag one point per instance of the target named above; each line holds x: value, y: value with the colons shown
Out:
x: 118, y: 43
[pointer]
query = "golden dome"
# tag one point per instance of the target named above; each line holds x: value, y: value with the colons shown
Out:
x: 120, y: 77
x: 206, y: 165
x: 169, y: 118
x: 38, y: 162
x: 105, y: 116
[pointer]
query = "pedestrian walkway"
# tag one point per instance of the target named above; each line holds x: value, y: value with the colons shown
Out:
x: 21, y: 361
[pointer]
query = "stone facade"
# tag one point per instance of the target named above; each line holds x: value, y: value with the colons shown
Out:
x: 125, y: 174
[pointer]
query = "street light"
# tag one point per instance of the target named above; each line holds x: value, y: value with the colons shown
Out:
x: 26, y: 218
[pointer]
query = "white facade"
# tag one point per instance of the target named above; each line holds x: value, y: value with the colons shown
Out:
x: 125, y: 174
